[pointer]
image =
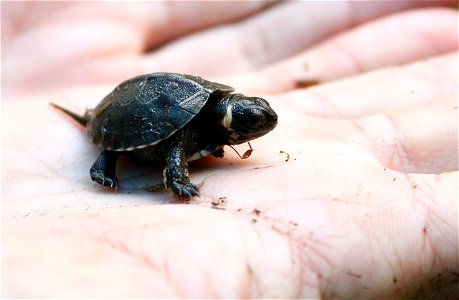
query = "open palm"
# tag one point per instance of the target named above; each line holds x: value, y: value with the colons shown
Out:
x: 352, y: 195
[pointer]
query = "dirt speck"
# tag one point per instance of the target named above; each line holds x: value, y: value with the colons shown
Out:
x: 258, y: 168
x: 219, y: 203
x: 154, y: 188
x: 247, y: 154
x: 305, y: 83
x: 287, y: 158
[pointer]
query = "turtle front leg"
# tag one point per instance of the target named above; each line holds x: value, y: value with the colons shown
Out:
x: 218, y: 153
x: 103, y: 169
x: 176, y: 171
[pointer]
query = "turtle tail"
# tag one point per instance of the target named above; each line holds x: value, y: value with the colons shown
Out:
x: 83, y: 120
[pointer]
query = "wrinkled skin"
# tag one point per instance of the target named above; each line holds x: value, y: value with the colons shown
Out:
x: 354, y: 194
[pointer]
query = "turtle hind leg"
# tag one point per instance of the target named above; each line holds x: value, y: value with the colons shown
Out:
x: 103, y: 169
x: 176, y: 172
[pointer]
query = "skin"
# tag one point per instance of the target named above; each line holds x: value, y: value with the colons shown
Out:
x: 354, y: 194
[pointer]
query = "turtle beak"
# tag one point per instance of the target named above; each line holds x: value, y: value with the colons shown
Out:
x: 269, y: 116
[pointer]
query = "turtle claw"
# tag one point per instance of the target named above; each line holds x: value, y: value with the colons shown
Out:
x: 187, y: 190
x: 100, y: 178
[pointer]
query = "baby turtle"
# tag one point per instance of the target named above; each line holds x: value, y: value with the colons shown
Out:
x: 171, y: 118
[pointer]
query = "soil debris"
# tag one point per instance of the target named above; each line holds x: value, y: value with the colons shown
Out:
x: 156, y: 188
x: 219, y: 203
x: 256, y: 211
x: 286, y: 153
x: 305, y: 83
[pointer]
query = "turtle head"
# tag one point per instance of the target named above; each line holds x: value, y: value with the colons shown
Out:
x: 246, y: 118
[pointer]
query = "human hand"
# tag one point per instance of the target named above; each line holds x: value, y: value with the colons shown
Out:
x: 365, y: 205
x: 65, y: 44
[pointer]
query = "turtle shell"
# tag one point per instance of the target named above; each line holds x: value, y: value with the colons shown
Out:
x: 147, y: 109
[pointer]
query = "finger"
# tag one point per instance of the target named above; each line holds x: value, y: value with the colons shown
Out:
x: 414, y: 126
x: 79, y: 43
x: 380, y: 91
x: 393, y: 40
x: 180, y: 18
x: 264, y: 38
x: 159, y: 21
x: 128, y: 30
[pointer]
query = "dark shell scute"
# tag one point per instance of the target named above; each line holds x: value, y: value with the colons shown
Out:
x: 147, y: 109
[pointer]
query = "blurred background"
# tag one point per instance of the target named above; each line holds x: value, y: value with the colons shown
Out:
x: 53, y: 45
